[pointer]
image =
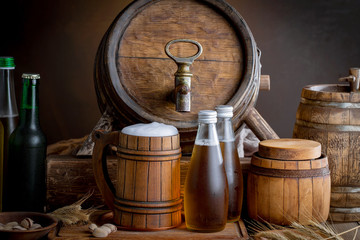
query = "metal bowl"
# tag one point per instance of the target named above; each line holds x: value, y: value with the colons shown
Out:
x: 47, y: 222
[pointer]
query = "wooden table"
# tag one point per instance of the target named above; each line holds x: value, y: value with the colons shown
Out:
x: 234, y: 230
x: 69, y: 178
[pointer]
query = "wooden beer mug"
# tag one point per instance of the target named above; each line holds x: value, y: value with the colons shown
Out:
x: 147, y: 191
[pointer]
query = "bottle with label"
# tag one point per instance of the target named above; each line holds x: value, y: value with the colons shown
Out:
x: 25, y: 183
x: 9, y: 115
x: 231, y: 161
x: 206, y: 188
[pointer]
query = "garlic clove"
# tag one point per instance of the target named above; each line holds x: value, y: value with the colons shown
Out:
x: 106, y: 229
x: 111, y: 226
x: 100, y: 232
x: 92, y: 227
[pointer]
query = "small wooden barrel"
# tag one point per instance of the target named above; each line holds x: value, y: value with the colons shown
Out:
x: 288, y: 181
x: 147, y: 192
x: 330, y: 114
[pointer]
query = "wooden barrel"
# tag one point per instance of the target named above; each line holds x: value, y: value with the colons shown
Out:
x: 330, y: 114
x: 147, y: 192
x: 134, y: 77
x: 286, y: 186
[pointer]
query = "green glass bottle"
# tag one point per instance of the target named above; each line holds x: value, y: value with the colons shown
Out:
x: 25, y: 183
x: 9, y: 115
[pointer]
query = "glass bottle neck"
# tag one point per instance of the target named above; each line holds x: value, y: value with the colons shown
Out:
x: 225, y: 130
x: 207, y: 135
x: 29, y: 108
x: 8, y: 107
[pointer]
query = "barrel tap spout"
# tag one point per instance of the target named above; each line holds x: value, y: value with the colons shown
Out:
x: 183, y: 75
x: 353, y: 79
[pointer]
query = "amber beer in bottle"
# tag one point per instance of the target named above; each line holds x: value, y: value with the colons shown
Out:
x: 9, y: 114
x: 206, y: 189
x: 24, y: 186
x: 231, y: 160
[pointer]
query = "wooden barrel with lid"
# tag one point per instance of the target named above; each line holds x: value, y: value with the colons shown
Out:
x: 134, y: 78
x: 288, y: 181
x: 330, y: 114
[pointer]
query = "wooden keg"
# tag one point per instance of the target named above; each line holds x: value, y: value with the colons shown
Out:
x: 134, y: 78
x: 288, y: 181
x: 147, y: 192
x: 330, y: 114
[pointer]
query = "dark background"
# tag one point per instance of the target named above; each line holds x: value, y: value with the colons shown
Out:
x: 302, y: 42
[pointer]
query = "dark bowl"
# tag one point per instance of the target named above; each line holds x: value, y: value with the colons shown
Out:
x: 47, y: 222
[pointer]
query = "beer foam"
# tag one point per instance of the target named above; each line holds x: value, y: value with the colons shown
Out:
x: 153, y: 129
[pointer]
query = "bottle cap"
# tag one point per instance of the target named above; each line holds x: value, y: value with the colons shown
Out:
x: 7, y: 63
x: 31, y: 76
x: 207, y: 116
x: 224, y: 111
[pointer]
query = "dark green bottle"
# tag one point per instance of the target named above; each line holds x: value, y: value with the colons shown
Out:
x: 25, y: 183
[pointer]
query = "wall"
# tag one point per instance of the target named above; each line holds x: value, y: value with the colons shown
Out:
x: 302, y: 42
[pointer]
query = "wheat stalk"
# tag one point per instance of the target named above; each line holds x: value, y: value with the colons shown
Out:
x: 74, y: 214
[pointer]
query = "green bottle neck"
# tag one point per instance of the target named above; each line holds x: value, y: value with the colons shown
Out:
x: 29, y: 107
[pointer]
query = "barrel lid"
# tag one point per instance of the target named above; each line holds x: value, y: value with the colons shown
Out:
x: 290, y: 149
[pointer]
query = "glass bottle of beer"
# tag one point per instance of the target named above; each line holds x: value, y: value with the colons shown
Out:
x: 231, y: 160
x: 25, y: 184
x: 9, y: 114
x: 206, y: 188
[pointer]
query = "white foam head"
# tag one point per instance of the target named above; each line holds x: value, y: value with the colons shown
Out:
x: 153, y: 129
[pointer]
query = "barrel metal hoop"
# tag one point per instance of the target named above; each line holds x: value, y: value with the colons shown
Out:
x: 148, y: 207
x: 142, y: 204
x: 345, y: 189
x: 328, y: 127
x: 344, y: 210
x: 320, y: 172
x: 329, y: 104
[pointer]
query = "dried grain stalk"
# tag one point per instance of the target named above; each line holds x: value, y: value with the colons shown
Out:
x: 74, y: 214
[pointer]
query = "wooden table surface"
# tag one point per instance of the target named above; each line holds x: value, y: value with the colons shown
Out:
x: 234, y: 230
x: 231, y: 231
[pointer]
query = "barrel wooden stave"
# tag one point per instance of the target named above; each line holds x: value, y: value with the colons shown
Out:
x: 330, y: 115
x: 283, y: 200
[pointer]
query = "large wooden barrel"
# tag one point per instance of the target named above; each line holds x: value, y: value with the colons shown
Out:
x: 288, y: 181
x: 330, y: 114
x: 146, y: 195
x: 135, y: 78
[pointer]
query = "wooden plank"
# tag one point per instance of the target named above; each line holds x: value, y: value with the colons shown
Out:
x: 291, y: 194
x: 140, y: 181
x: 130, y: 173
x: 277, y: 201
x: 306, y: 200
x: 166, y: 185
x: 263, y: 196
x: 154, y: 189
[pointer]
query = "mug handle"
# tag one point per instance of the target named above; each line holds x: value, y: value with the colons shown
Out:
x: 102, y: 140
